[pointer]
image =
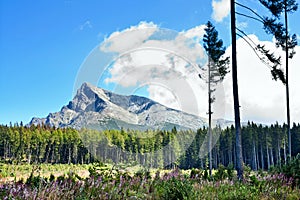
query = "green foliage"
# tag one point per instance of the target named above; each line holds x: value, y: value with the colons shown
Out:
x: 221, y: 173
x: 254, y: 180
x: 215, y: 50
x: 173, y: 189
x: 247, y: 171
x: 224, y: 173
x: 230, y: 171
x: 205, y: 175
x: 52, y: 177
x: 34, y: 181
x: 196, y: 174
x: 291, y: 170
x: 143, y: 174
x: 274, y: 26
x: 42, y: 145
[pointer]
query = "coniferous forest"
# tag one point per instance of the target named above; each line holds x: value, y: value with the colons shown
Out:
x: 263, y: 146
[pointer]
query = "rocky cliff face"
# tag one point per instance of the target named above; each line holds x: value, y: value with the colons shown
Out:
x: 100, y: 109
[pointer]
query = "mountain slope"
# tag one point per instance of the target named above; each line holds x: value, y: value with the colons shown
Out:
x: 100, y: 109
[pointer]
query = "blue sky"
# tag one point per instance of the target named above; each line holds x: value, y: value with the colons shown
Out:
x: 44, y: 43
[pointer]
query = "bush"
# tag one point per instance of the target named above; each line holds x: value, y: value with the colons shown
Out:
x: 230, y: 170
x: 174, y: 188
x: 143, y: 173
x: 196, y: 174
x: 290, y: 170
x: 221, y: 173
x: 205, y: 175
x: 247, y: 171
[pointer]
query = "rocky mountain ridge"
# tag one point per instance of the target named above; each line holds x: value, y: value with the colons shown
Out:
x: 100, y: 109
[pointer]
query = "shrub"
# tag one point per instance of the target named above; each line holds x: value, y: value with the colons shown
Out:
x: 196, y: 174
x: 221, y: 173
x: 143, y: 173
x: 230, y: 170
x: 290, y: 170
x: 205, y: 175
x: 174, y: 188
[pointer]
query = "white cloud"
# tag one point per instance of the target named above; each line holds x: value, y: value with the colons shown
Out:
x: 130, y: 38
x: 165, y: 96
x: 195, y: 33
x: 138, y: 36
x: 261, y: 98
x: 164, y: 66
x: 170, y: 79
x: 165, y: 60
x: 221, y: 9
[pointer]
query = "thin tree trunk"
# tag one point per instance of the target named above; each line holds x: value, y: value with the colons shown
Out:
x: 239, y: 166
x: 279, y: 156
x: 215, y: 156
x: 284, y: 150
x: 234, y: 156
x: 229, y: 156
x: 209, y: 120
x: 69, y: 155
x: 287, y: 81
x: 29, y: 155
x: 201, y: 164
x: 48, y: 150
x: 262, y: 157
x: 254, y: 164
x: 5, y: 150
x: 272, y: 158
x: 257, y: 157
x: 268, y: 156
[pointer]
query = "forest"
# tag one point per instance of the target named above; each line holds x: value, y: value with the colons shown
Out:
x: 262, y: 146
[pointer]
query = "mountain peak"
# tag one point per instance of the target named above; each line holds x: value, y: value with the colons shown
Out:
x: 85, y: 85
x: 96, y: 108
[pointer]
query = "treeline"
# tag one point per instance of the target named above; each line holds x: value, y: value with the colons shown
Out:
x: 262, y: 146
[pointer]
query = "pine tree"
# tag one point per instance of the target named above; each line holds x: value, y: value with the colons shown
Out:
x: 217, y: 69
x: 284, y: 40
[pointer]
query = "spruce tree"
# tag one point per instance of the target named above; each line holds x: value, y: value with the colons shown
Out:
x: 284, y: 40
x: 217, y: 69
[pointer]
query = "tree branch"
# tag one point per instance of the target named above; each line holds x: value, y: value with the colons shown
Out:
x: 248, y: 16
x: 255, y: 50
x: 246, y: 7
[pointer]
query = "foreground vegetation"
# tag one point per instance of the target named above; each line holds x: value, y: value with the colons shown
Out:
x: 112, y: 182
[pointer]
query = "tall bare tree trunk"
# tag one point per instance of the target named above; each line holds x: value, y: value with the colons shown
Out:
x: 268, y: 156
x: 238, y: 139
x: 254, y: 164
x: 279, y: 156
x: 69, y: 155
x: 284, y: 150
x: 257, y: 158
x: 262, y: 157
x: 209, y: 120
x: 272, y: 158
x: 287, y: 81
